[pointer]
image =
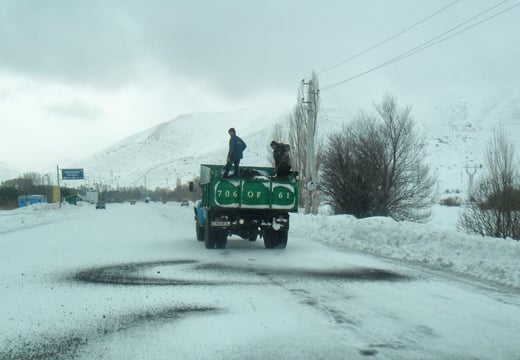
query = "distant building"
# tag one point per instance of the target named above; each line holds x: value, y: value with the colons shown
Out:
x: 90, y: 196
x: 24, y: 200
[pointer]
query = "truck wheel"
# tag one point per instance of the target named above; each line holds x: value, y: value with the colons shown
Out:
x: 199, y: 230
x: 221, y: 240
x: 209, y: 235
x: 270, y: 239
x: 282, y: 239
x: 275, y: 239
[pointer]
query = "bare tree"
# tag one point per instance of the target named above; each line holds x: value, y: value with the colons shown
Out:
x: 297, y: 141
x: 302, y: 138
x: 36, y: 178
x: 494, y: 206
x: 375, y: 167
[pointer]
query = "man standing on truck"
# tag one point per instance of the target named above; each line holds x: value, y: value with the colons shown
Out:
x: 235, y: 153
x: 282, y: 160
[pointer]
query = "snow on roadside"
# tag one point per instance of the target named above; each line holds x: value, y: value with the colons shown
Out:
x: 486, y: 258
x: 37, y: 214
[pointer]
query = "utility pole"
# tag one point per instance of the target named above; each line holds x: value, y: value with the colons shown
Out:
x: 58, y: 177
x: 471, y: 174
x: 310, y: 101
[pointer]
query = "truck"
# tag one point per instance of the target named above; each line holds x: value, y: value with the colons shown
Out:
x: 257, y: 204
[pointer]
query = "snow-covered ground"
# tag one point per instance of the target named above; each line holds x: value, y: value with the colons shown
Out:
x: 438, y: 244
x: 131, y: 282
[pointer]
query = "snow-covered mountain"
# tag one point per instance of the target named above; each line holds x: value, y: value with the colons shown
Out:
x: 173, y: 150
x: 456, y: 132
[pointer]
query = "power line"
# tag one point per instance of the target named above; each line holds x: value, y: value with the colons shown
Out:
x: 427, y: 44
x: 389, y: 38
x: 444, y: 36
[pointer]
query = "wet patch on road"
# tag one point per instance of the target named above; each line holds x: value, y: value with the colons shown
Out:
x: 368, y: 352
x: 347, y: 274
x: 70, y: 346
x: 42, y: 348
x: 357, y: 274
x: 157, y: 273
x: 192, y: 273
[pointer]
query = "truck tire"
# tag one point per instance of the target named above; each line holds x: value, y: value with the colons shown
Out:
x: 209, y: 235
x: 221, y: 238
x: 275, y: 239
x: 199, y: 230
x: 282, y: 239
x: 270, y: 240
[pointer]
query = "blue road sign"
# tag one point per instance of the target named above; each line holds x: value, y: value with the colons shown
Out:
x: 72, y: 174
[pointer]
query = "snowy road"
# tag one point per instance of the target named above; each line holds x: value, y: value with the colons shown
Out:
x: 131, y: 282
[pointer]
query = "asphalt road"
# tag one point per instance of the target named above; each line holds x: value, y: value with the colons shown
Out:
x: 131, y: 282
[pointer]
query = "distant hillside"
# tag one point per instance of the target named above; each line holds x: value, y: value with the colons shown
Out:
x: 175, y: 149
x: 456, y: 133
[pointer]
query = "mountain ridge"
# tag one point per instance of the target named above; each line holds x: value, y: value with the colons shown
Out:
x: 456, y: 133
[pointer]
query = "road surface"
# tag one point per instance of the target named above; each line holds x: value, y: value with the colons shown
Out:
x: 131, y: 282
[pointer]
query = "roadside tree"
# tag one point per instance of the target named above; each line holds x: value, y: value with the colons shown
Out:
x: 494, y: 204
x: 375, y: 166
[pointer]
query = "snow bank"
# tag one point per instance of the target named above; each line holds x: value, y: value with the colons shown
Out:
x: 485, y: 258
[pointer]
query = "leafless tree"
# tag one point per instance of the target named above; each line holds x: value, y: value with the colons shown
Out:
x: 36, y: 178
x: 375, y: 167
x: 302, y: 138
x: 297, y: 141
x: 297, y: 137
x: 494, y: 206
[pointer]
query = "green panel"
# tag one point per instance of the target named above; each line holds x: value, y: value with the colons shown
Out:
x: 283, y: 196
x: 226, y: 193
x: 255, y: 193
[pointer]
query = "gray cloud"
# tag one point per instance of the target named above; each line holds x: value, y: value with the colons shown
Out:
x: 234, y: 46
x: 239, y: 48
x: 76, y: 110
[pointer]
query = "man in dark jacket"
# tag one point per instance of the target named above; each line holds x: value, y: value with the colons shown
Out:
x: 282, y: 160
x: 235, y: 153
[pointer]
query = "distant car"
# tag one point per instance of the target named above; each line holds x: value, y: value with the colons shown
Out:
x: 185, y: 203
x: 132, y: 202
x: 101, y: 205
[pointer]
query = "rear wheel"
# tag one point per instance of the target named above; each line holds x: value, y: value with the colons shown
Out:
x: 221, y: 238
x: 270, y: 240
x: 199, y: 230
x: 209, y: 234
x: 275, y: 239
x: 282, y: 239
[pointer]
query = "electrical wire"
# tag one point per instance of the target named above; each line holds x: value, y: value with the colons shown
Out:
x: 389, y: 38
x: 427, y: 44
x: 444, y: 36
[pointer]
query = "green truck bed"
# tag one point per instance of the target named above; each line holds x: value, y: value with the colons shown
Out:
x: 255, y: 189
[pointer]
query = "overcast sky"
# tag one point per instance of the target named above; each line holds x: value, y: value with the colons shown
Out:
x: 77, y: 76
